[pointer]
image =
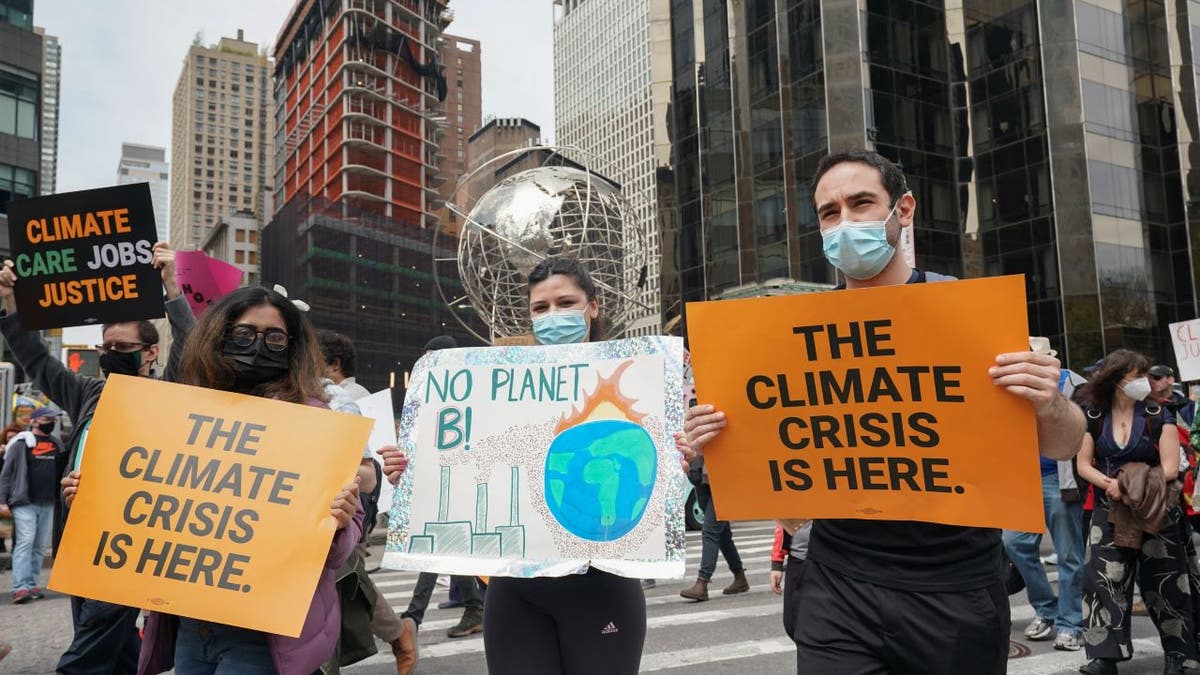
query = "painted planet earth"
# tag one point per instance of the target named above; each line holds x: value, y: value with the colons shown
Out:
x: 599, y: 478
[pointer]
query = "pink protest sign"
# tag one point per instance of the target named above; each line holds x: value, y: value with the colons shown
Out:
x: 204, y: 279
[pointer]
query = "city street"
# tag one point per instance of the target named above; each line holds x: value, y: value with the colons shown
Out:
x: 738, y: 634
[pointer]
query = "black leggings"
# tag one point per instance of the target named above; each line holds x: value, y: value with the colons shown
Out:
x: 582, y: 624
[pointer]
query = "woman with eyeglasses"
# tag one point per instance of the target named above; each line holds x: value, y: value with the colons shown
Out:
x: 106, y: 635
x: 256, y: 342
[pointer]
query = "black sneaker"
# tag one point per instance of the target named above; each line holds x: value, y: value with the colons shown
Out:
x: 1099, y: 667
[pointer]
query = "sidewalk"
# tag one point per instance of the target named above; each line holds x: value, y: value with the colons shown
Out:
x: 39, y: 631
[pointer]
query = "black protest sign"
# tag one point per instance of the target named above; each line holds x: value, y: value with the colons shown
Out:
x: 85, y: 257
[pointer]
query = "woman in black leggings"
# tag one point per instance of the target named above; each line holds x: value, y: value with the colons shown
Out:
x: 583, y: 624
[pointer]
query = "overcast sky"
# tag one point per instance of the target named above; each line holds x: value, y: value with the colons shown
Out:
x: 121, y: 60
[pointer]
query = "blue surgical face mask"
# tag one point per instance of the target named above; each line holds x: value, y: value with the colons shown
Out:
x: 561, y: 327
x: 859, y: 249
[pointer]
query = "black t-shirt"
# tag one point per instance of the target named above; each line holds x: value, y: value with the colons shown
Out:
x: 45, y: 462
x: 908, y: 555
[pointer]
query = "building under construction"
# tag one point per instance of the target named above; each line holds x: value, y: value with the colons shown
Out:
x: 359, y: 115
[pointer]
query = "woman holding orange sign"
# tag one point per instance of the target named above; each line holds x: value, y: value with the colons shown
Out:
x: 256, y: 342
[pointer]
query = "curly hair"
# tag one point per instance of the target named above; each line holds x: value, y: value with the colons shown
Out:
x: 334, y: 345
x: 1100, y: 390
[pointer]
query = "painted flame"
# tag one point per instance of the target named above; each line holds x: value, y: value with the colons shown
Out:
x: 606, y: 402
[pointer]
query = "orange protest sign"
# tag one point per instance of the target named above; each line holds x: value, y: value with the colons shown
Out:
x: 872, y: 404
x: 206, y: 504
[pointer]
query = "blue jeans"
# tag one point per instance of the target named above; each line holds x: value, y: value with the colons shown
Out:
x: 35, y: 525
x: 717, y: 536
x: 204, y: 648
x: 1066, y: 529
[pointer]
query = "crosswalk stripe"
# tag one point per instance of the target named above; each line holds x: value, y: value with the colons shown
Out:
x: 475, y: 645
x: 1057, y: 662
x: 712, y: 615
x: 653, y: 601
x: 739, y: 530
x: 696, y: 543
x: 398, y: 600
x: 698, y: 655
x: 395, y: 581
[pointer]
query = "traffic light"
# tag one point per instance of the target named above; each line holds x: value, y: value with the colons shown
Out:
x: 83, y: 361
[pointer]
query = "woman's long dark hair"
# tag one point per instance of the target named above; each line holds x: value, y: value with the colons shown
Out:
x: 204, y: 365
x: 574, y: 270
x: 1099, y: 392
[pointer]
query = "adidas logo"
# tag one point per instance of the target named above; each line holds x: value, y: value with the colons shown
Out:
x: 609, y: 629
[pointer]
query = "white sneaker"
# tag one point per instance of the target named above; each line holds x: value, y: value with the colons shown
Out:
x: 1051, y: 559
x: 1039, y: 629
x: 1068, y: 642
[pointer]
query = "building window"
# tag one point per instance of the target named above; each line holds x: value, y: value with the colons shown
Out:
x: 18, y: 105
x: 1103, y: 33
x: 253, y: 257
x: 18, y: 13
x: 239, y: 257
x: 1110, y: 111
x: 240, y: 236
x: 15, y: 183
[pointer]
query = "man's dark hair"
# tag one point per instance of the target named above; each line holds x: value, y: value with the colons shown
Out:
x: 147, y: 333
x: 441, y: 342
x: 334, y: 345
x: 889, y: 173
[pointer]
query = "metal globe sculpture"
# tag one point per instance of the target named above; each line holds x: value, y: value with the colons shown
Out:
x: 542, y: 212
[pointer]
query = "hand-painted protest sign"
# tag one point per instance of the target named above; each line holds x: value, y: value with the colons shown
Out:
x: 84, y: 257
x: 1185, y: 335
x: 203, y: 279
x: 541, y: 461
x: 873, y: 404
x: 218, y: 510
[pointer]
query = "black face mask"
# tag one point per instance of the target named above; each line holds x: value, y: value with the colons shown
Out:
x: 254, y: 365
x: 121, y: 363
x: 46, y: 428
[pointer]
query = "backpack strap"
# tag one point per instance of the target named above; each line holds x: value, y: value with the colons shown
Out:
x: 1154, y: 421
x: 1095, y: 423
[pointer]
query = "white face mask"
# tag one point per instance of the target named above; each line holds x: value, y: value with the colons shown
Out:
x: 1137, y: 389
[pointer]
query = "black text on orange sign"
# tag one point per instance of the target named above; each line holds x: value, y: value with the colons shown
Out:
x: 98, y: 289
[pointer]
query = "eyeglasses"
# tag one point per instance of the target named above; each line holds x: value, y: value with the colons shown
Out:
x: 244, y: 335
x: 121, y: 347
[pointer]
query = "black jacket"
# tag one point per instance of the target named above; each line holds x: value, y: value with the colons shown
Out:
x: 77, y: 394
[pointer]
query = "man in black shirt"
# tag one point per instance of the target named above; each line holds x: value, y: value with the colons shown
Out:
x: 902, y: 596
x: 29, y: 489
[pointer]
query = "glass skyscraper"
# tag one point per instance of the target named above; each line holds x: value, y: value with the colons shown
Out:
x: 1050, y: 139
